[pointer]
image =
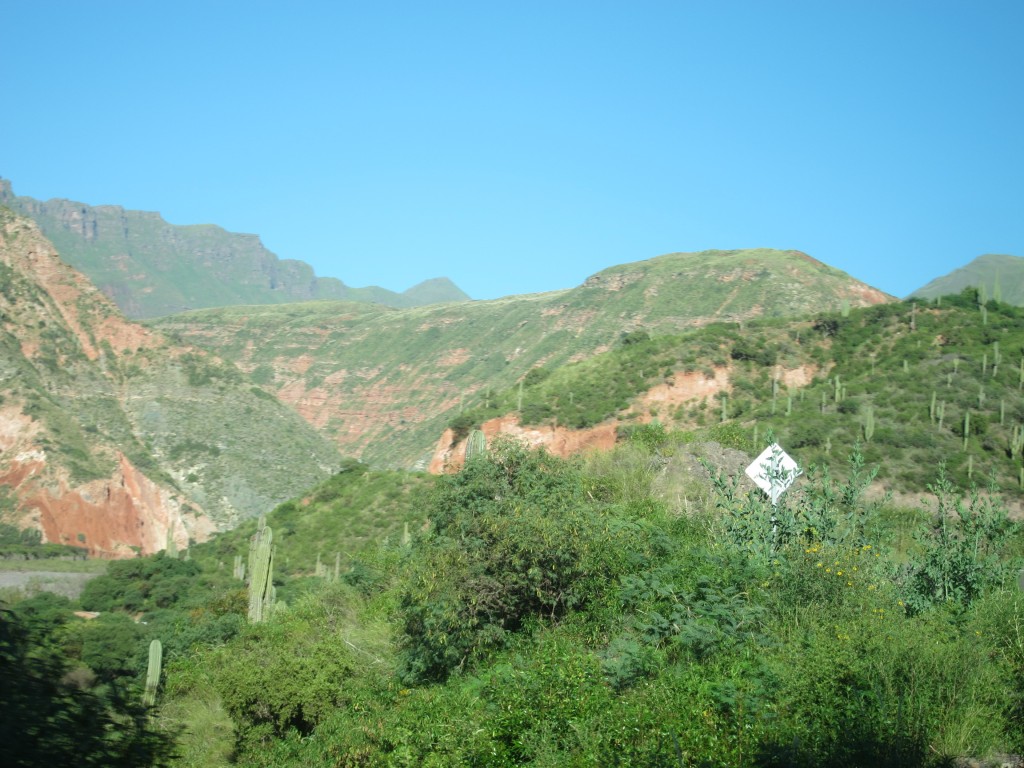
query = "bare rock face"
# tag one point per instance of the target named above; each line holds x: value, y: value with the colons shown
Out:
x: 118, y: 516
x: 124, y: 515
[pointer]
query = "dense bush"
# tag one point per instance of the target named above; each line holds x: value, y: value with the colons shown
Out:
x: 517, y: 537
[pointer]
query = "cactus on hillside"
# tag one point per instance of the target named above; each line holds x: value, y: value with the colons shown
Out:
x: 1017, y: 442
x: 261, y: 567
x: 172, y: 546
x: 476, y: 445
x: 869, y: 423
x: 156, y: 652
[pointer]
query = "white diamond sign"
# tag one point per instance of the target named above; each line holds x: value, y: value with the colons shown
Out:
x: 773, y: 472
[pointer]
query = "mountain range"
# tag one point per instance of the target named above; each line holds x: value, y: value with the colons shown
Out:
x: 122, y: 437
x: 150, y: 268
x: 382, y: 383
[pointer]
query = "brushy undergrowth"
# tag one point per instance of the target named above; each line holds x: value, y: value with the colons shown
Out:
x: 587, y: 612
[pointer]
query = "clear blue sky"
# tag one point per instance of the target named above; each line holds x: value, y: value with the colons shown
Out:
x: 518, y: 147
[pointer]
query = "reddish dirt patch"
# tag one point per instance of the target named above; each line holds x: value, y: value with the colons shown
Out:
x: 684, y: 388
x: 450, y: 456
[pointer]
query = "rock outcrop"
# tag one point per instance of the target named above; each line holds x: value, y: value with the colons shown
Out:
x: 116, y: 440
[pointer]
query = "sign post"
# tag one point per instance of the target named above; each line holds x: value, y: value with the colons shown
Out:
x: 773, y: 472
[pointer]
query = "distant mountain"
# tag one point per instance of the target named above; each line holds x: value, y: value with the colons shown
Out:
x: 113, y: 438
x: 151, y: 268
x: 1002, y: 278
x: 382, y: 383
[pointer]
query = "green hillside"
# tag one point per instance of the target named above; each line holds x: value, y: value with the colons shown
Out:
x: 382, y: 383
x: 151, y: 268
x: 902, y: 379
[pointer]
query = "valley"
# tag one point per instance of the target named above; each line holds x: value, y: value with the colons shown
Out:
x: 601, y: 560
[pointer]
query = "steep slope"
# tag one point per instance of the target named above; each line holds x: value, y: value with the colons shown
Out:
x: 151, y: 268
x: 115, y: 440
x: 382, y: 382
x: 1000, y: 277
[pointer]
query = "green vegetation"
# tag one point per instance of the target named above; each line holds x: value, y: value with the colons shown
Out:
x: 911, y: 381
x: 614, y: 610
x: 997, y: 276
x: 261, y: 573
x: 565, y: 613
x: 47, y: 717
x: 634, y: 608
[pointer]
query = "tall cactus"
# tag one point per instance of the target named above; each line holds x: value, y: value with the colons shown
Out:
x: 1017, y: 442
x: 261, y: 568
x: 476, y: 445
x: 156, y: 653
x: 869, y: 424
x: 172, y: 545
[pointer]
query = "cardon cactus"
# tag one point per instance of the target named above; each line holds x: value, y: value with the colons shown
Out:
x: 261, y: 568
x: 156, y: 653
x: 476, y: 445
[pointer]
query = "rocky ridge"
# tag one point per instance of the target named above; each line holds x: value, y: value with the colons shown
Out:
x: 115, y: 440
x: 151, y: 268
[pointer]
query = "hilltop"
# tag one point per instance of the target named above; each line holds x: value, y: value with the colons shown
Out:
x: 152, y: 268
